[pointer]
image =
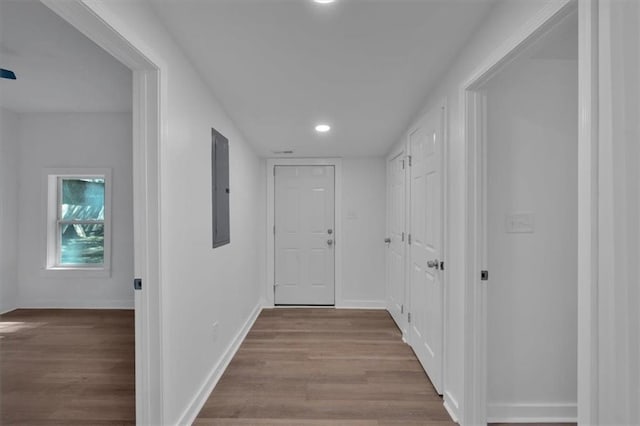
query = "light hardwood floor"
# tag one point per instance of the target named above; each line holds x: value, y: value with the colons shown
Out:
x: 324, y: 367
x: 67, y: 367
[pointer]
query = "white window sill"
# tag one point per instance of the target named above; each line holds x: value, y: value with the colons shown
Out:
x: 65, y: 272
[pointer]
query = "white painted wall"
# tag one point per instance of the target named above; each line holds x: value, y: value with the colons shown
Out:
x: 9, y: 154
x: 532, y: 155
x: 200, y: 285
x: 68, y: 140
x: 505, y: 20
x: 364, y: 229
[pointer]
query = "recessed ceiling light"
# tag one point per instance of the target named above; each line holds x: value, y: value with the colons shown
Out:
x: 324, y: 1
x: 323, y: 128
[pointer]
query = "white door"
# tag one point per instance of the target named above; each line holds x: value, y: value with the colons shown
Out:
x: 425, y: 246
x: 395, y: 238
x: 304, y: 235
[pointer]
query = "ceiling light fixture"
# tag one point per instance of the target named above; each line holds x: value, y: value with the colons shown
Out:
x: 324, y: 1
x: 323, y: 128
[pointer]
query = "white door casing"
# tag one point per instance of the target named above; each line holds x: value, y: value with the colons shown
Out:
x: 396, y: 235
x: 304, y: 235
x: 425, y: 246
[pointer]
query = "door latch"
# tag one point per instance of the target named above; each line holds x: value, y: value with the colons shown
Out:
x: 137, y: 284
x: 433, y: 264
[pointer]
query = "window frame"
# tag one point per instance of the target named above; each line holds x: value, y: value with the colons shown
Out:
x: 53, y: 192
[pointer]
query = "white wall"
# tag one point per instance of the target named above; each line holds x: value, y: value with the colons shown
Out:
x: 364, y: 229
x: 532, y: 155
x: 9, y: 154
x: 200, y: 285
x: 505, y: 20
x: 68, y: 140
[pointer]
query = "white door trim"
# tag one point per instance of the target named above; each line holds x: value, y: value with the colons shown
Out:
x: 588, y: 205
x: 473, y: 100
x: 271, y: 163
x: 149, y: 91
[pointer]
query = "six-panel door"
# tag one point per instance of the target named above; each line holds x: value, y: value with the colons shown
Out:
x: 396, y: 245
x: 425, y: 274
x: 304, y: 235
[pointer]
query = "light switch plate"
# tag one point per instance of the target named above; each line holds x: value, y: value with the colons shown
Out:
x: 520, y: 223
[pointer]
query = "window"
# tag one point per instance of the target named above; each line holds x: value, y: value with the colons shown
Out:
x: 220, y: 188
x: 78, y: 220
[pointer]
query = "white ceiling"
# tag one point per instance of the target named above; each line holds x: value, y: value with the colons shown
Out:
x: 58, y: 68
x: 280, y: 66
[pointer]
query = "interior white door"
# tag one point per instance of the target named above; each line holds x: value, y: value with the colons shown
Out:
x: 425, y: 246
x: 304, y: 235
x: 396, y: 236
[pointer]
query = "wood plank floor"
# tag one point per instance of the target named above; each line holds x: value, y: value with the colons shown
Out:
x: 324, y: 367
x: 67, y: 367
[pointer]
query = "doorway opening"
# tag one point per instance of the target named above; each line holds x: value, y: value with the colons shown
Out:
x: 149, y: 89
x: 68, y: 280
x: 522, y: 122
x: 531, y: 231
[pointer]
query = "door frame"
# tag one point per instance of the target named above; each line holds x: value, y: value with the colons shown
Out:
x: 149, y: 110
x: 473, y: 100
x: 268, y: 300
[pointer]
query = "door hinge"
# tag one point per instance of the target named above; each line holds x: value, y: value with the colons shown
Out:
x: 402, y: 164
x: 409, y: 317
x: 403, y: 236
x: 484, y: 275
x: 274, y: 230
x: 137, y: 284
x: 402, y: 309
x: 409, y: 239
x: 409, y: 158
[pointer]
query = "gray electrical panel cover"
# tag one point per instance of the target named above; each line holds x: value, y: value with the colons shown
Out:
x: 220, y: 188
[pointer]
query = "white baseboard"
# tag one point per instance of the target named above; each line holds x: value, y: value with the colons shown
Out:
x: 361, y: 304
x: 452, y: 407
x: 532, y: 413
x: 6, y: 310
x: 198, y: 401
x: 66, y: 304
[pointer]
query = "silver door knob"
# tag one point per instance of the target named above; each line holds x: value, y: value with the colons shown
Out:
x: 387, y: 240
x: 330, y: 242
x: 433, y: 264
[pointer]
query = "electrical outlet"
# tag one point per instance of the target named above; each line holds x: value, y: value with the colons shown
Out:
x: 214, y: 333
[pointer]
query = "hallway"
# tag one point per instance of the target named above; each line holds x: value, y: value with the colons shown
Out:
x: 324, y: 367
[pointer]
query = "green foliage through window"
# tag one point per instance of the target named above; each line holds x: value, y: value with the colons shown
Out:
x: 81, y: 221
